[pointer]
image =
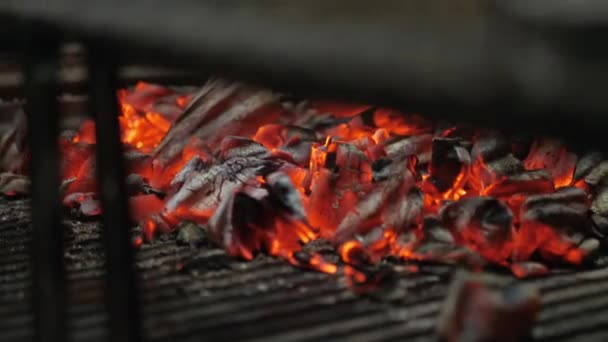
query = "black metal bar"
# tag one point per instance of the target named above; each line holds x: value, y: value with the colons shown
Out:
x: 49, y: 285
x: 121, y: 295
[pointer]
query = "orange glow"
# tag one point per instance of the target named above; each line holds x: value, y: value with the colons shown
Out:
x: 339, y: 167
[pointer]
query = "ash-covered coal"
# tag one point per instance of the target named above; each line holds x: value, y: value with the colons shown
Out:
x: 260, y: 174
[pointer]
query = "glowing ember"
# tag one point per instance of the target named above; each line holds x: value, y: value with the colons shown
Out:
x: 374, y: 182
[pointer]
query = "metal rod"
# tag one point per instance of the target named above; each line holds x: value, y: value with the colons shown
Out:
x: 49, y: 287
x: 121, y: 296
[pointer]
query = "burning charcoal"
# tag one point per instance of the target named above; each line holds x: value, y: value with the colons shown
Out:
x: 195, y: 164
x: 65, y: 184
x: 137, y: 185
x: 476, y: 312
x: 492, y: 157
x: 366, y: 213
x: 229, y: 225
x: 538, y: 181
x: 283, y: 192
x: 314, y: 261
x: 586, y: 163
x: 381, y: 169
x: 598, y: 174
x: 202, y: 191
x: 137, y: 162
x: 438, y: 244
x: 566, y: 206
x: 552, y: 156
x: 220, y: 109
x: 490, y: 145
x: 600, y: 225
x: 434, y: 231
x: 527, y: 269
x: 589, y: 249
x: 552, y: 223
x: 85, y: 203
x: 483, y: 223
x: 13, y: 150
x: 450, y: 164
x: 406, y: 211
x: 232, y: 146
x: 299, y: 151
x: 416, y: 145
x: 12, y: 184
x: 341, y: 174
x: 190, y: 233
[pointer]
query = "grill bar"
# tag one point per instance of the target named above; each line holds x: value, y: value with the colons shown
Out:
x: 122, y: 303
x: 47, y: 242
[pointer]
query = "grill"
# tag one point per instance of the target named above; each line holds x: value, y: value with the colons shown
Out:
x: 188, y: 293
x: 182, y: 293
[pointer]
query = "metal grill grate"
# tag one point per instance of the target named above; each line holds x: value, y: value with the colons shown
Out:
x: 188, y: 293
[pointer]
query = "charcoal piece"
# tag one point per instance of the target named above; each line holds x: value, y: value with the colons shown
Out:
x: 552, y: 156
x: 433, y: 230
x: 405, y: 212
x: 484, y: 310
x: 283, y: 193
x: 506, y: 165
x: 598, y: 174
x: 137, y: 185
x: 527, y: 269
x: 492, y: 158
x: 586, y: 163
x: 554, y: 224
x: 85, y: 204
x: 447, y: 163
x: 65, y: 184
x: 600, y: 225
x: 490, y: 145
x: 13, y: 156
x: 340, y: 176
x: 190, y: 234
x: 590, y: 248
x: 202, y: 191
x: 13, y: 184
x: 565, y: 208
x: 537, y: 181
x: 416, y: 145
x: 482, y: 223
x: 232, y: 146
x: 221, y: 108
x: 137, y: 162
x: 291, y: 132
x: 299, y: 151
x: 366, y: 213
x: 195, y: 164
x: 381, y: 169
x: 599, y: 204
x: 230, y: 226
